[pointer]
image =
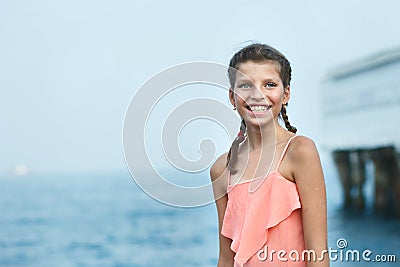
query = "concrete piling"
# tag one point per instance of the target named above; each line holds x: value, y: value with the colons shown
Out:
x: 351, y: 166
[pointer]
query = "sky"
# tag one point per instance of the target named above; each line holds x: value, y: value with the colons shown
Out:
x: 69, y: 69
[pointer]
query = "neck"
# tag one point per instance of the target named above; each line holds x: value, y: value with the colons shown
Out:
x: 258, y: 137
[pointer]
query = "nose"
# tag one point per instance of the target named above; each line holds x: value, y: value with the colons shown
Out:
x: 256, y: 94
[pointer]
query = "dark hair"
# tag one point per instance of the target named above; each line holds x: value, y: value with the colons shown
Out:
x: 258, y: 53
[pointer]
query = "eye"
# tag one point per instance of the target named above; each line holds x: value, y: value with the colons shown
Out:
x: 244, y: 86
x: 270, y: 85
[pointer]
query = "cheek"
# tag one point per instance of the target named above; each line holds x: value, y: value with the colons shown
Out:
x: 240, y: 98
x: 275, y: 96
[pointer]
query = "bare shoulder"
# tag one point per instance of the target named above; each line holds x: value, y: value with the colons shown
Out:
x: 302, y: 147
x: 302, y: 152
x: 304, y: 156
x: 219, y: 167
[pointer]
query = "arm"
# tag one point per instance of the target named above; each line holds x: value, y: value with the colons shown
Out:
x: 218, y: 175
x: 309, y: 178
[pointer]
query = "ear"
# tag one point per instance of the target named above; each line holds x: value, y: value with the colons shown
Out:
x: 232, y: 96
x: 286, y: 94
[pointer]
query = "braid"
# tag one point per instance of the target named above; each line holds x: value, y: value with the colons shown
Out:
x: 235, y: 146
x: 286, y: 120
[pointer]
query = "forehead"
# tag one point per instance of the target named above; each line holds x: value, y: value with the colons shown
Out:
x: 258, y: 70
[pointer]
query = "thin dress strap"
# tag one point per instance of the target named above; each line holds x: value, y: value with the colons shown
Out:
x: 284, y: 151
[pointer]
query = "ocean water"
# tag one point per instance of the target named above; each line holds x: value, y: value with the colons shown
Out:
x: 106, y: 220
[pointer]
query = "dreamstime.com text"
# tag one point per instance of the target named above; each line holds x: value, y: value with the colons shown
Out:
x: 339, y: 254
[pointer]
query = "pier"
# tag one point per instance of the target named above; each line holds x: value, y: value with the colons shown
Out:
x: 360, y: 113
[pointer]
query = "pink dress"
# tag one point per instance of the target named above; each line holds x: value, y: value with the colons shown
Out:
x: 263, y: 222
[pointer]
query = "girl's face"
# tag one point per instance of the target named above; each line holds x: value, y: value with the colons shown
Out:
x: 258, y: 93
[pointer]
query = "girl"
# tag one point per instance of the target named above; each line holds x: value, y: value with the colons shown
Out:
x: 268, y: 218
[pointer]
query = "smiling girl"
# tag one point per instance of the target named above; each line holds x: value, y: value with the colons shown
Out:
x: 269, y: 188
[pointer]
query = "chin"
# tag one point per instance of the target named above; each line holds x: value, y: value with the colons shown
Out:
x: 261, y: 122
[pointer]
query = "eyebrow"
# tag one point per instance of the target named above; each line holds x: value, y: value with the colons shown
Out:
x: 244, y: 80
x: 250, y: 81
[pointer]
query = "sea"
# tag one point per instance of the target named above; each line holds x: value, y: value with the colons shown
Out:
x: 105, y: 219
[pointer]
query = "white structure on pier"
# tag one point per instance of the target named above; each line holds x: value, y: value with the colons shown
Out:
x: 361, y: 103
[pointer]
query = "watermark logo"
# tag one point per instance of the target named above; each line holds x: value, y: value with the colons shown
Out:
x: 341, y: 243
x: 335, y: 254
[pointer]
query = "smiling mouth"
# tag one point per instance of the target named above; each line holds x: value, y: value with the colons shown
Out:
x: 258, y: 108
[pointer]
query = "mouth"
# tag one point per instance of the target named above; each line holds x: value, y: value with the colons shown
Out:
x: 258, y: 108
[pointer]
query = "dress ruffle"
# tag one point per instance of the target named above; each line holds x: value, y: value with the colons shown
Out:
x: 244, y: 221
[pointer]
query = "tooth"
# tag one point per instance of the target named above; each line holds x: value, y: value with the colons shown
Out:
x: 259, y: 108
